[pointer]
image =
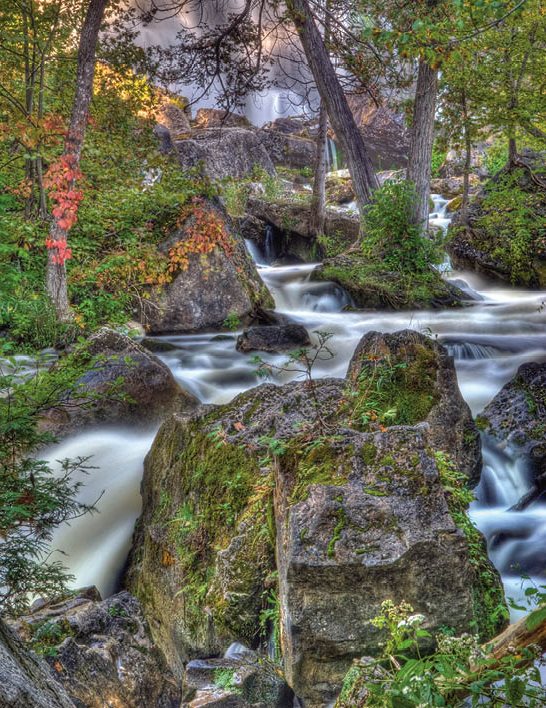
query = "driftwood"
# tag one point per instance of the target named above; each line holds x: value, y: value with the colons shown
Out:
x: 519, y: 635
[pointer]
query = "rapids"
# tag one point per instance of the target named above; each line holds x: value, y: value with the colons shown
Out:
x: 501, y: 329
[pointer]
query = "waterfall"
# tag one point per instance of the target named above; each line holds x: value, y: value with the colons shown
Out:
x: 269, y: 244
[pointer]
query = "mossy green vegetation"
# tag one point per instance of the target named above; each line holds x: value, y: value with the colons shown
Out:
x: 372, y: 285
x: 393, y: 393
x: 490, y: 613
x: 306, y: 465
x: 508, y: 224
x: 133, y: 196
x: 221, y: 494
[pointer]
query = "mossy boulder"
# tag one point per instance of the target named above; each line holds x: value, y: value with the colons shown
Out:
x: 349, y: 511
x: 371, y: 286
x: 419, y: 384
x: 25, y: 679
x: 504, y: 236
x: 122, y: 383
x: 212, y: 286
x: 100, y: 651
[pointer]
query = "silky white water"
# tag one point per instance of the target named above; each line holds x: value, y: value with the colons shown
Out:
x: 489, y: 340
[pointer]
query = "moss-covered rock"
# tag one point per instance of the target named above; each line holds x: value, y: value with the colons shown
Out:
x: 505, y: 233
x: 349, y: 512
x: 373, y: 287
x: 211, y: 286
x: 411, y: 379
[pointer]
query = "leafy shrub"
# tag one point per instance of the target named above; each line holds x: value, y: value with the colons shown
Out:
x: 32, y: 323
x: 390, y: 238
x: 438, y: 159
x: 496, y: 157
x: 511, y: 222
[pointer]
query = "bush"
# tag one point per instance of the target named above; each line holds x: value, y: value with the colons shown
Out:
x: 33, y: 323
x: 33, y: 500
x: 390, y: 238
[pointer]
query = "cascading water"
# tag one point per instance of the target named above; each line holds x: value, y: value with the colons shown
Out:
x: 489, y: 340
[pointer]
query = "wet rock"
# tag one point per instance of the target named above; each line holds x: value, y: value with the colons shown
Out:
x: 224, y: 152
x: 25, y: 679
x: 217, y: 118
x: 452, y: 187
x: 286, y: 150
x: 517, y: 417
x: 433, y: 395
x: 215, y: 286
x: 172, y: 116
x: 125, y: 383
x: 381, y: 529
x: 246, y: 682
x: 384, y: 131
x: 157, y: 345
x: 280, y: 338
x: 101, y: 652
x: 339, y: 189
x: 290, y: 219
x: 455, y: 161
x: 347, y: 510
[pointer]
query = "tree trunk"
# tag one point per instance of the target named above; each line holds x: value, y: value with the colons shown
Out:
x: 334, y: 100
x: 512, y: 150
x: 56, y: 280
x: 422, y: 138
x: 318, y: 200
x: 467, y: 160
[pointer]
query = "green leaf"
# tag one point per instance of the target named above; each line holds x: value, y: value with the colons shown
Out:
x: 536, y: 618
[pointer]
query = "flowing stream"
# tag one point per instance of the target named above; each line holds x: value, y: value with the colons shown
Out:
x: 502, y: 328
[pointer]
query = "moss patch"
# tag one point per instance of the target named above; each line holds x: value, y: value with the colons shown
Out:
x: 224, y: 496
x: 489, y: 606
x: 388, y: 391
x: 372, y: 286
x: 319, y: 464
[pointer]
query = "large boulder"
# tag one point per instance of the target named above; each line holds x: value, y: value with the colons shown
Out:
x: 424, y: 389
x: 517, y: 417
x: 503, y: 235
x: 25, y: 679
x: 217, y: 118
x: 290, y: 221
x: 224, y: 152
x: 371, y: 286
x: 210, y: 286
x: 384, y: 131
x: 100, y: 652
x: 338, y: 488
x: 293, y: 151
x: 123, y: 382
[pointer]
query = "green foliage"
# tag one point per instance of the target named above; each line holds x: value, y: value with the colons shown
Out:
x: 458, y: 673
x: 513, y: 223
x: 47, y: 635
x: 390, y: 237
x: 232, y: 321
x: 438, y: 159
x: 270, y: 622
x: 225, y: 679
x: 33, y: 323
x: 388, y: 393
x: 496, y: 157
x: 490, y: 613
x: 33, y: 500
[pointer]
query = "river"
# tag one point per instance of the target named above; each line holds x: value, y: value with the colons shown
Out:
x: 489, y: 340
